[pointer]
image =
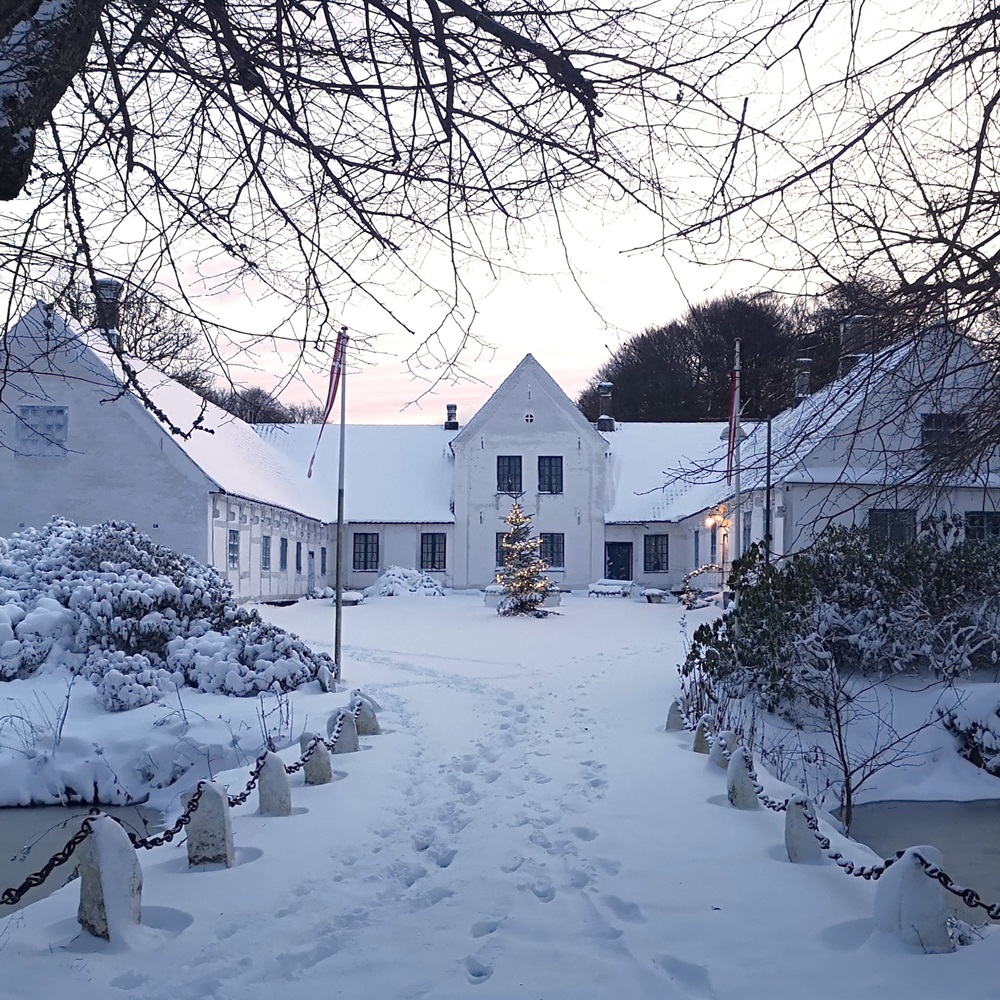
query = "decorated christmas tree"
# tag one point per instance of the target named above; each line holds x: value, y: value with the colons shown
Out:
x: 523, y: 575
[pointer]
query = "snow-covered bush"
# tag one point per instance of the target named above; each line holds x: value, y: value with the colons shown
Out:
x: 397, y: 582
x: 927, y: 606
x: 974, y: 719
x: 248, y: 658
x: 135, y: 617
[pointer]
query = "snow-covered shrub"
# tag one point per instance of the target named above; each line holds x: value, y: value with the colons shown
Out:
x: 396, y: 582
x: 248, y: 658
x: 974, y: 719
x: 926, y: 606
x: 135, y: 617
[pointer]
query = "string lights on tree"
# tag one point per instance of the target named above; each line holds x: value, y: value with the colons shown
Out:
x: 523, y: 578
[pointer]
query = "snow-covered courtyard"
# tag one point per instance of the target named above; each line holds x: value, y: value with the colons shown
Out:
x: 523, y: 828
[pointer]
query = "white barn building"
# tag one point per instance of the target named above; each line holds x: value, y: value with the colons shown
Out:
x: 628, y: 501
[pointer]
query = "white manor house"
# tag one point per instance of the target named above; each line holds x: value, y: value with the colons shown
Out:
x: 640, y: 502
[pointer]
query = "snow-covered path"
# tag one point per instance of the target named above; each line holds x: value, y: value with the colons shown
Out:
x: 523, y: 829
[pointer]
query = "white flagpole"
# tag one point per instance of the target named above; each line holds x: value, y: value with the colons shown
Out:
x: 339, y: 599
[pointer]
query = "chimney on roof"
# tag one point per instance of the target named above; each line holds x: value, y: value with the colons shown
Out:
x: 107, y: 292
x: 802, y: 367
x: 857, y: 338
x: 451, y: 420
x: 605, y: 422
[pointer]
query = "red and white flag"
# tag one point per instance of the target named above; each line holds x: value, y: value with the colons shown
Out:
x: 336, y: 367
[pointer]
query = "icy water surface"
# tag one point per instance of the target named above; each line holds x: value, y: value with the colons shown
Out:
x: 29, y: 837
x: 966, y: 833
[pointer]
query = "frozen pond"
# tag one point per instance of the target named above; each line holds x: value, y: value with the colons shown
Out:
x: 966, y: 833
x: 29, y: 837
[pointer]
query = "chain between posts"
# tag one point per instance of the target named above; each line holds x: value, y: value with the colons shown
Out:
x: 871, y: 873
x: 12, y: 896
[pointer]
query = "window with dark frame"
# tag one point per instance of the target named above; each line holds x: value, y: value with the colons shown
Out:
x: 553, y: 549
x: 550, y: 474
x: 432, y: 550
x: 501, y: 535
x: 365, y: 551
x: 322, y: 560
x: 982, y: 525
x: 891, y: 526
x: 265, y: 553
x: 656, y: 550
x: 298, y: 557
x: 234, y: 548
x: 283, y: 555
x: 509, y: 474
x: 942, y: 434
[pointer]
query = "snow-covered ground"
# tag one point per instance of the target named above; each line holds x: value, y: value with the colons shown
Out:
x: 524, y: 828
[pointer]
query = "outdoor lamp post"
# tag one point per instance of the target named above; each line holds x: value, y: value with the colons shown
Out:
x: 719, y: 518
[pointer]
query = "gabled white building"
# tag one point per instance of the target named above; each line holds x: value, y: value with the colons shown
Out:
x: 629, y: 501
x: 73, y: 444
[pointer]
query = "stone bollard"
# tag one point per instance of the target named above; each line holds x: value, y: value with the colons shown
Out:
x: 110, y: 881
x: 800, y: 841
x: 273, y: 791
x: 719, y: 754
x: 210, y: 832
x: 358, y: 693
x: 675, y: 717
x: 701, y: 737
x: 739, y: 787
x: 912, y: 906
x: 366, y: 720
x: 348, y: 740
x: 327, y: 682
x: 317, y: 768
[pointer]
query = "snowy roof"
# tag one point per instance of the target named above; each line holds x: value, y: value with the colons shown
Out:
x: 393, y: 473
x: 528, y: 368
x: 848, y: 410
x: 642, y: 457
x: 227, y: 450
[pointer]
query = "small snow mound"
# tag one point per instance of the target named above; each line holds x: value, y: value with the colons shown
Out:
x: 399, y: 582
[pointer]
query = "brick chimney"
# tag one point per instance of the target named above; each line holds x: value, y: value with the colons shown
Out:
x: 107, y: 292
x: 451, y: 420
x: 605, y: 422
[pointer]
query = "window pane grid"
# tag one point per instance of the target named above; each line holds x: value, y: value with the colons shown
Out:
x: 365, y: 551
x: 41, y: 431
x: 550, y: 474
x: 432, y: 550
x: 508, y: 473
x: 982, y: 526
x: 889, y: 526
x: 234, y: 549
x: 553, y: 549
x: 655, y: 553
x: 265, y: 552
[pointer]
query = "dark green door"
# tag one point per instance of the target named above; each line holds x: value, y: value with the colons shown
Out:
x: 618, y: 560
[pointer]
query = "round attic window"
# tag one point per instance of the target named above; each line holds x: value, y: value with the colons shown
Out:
x: 529, y: 418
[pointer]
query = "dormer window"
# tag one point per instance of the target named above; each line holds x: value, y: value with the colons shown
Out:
x: 942, y: 434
